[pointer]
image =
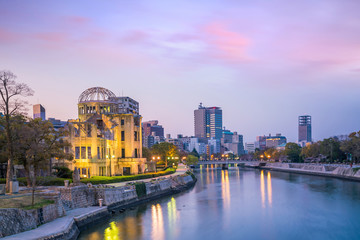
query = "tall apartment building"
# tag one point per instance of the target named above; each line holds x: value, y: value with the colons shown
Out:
x: 305, y: 129
x: 208, y: 122
x: 39, y: 112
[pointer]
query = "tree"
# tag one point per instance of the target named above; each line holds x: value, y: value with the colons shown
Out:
x: 146, y: 153
x: 11, y: 104
x: 292, y: 151
x: 165, y: 150
x: 330, y: 147
x: 270, y: 153
x: 352, y: 146
x: 38, y: 143
x: 191, y: 160
x: 311, y: 151
x: 195, y: 153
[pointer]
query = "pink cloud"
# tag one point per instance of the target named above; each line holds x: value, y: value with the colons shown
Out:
x: 225, y: 44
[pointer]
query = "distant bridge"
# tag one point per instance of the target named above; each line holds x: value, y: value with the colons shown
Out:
x: 225, y: 164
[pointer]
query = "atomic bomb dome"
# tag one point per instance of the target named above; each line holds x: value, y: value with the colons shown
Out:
x: 96, y: 94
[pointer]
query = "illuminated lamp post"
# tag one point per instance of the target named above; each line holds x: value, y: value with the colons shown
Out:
x: 261, y: 156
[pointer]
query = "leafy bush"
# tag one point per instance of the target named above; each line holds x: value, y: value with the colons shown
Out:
x: 41, y: 181
x: 63, y: 172
x: 140, y: 189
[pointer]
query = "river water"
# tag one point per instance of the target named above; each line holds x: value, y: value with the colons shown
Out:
x: 244, y: 204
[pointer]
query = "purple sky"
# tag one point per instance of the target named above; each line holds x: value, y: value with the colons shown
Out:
x: 264, y: 62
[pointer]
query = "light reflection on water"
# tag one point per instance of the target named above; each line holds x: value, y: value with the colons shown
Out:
x: 244, y: 204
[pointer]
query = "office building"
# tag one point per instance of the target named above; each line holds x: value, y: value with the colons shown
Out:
x: 275, y: 141
x: 208, y: 122
x: 39, y: 112
x: 152, y: 133
x: 250, y: 147
x: 305, y: 129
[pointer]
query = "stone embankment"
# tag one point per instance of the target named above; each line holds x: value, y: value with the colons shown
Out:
x: 337, y: 171
x: 77, y: 208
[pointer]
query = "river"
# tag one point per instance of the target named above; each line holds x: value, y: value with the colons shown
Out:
x: 244, y: 204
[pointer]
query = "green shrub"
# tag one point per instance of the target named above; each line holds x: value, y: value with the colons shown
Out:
x: 140, y: 189
x: 105, y: 180
x: 63, y: 172
x: 41, y: 181
x: 54, y: 181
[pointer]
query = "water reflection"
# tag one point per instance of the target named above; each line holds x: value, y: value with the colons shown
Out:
x: 262, y: 188
x: 225, y: 188
x: 172, y: 216
x: 157, y: 222
x: 112, y: 232
x: 269, y: 188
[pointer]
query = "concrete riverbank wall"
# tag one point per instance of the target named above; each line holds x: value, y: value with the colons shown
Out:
x: 314, y: 169
x: 85, y: 197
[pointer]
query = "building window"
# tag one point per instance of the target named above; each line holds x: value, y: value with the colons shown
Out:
x: 135, y: 136
x: 123, y: 152
x: 136, y: 152
x: 89, y: 131
x: 98, y: 153
x: 89, y: 153
x: 77, y: 132
x: 77, y: 152
x: 122, y: 135
x: 83, y: 152
x: 122, y: 122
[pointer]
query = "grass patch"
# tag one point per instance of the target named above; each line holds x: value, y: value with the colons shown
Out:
x: 24, y: 202
x: 105, y: 180
x: 356, y: 169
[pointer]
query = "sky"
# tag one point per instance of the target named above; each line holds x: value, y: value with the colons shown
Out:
x: 263, y: 62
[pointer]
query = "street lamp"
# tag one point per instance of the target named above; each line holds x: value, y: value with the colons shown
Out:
x: 261, y: 156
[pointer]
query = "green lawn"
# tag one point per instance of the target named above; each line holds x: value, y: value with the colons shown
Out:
x: 53, y: 181
x: 24, y: 202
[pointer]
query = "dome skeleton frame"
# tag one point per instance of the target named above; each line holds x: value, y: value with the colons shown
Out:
x: 96, y: 94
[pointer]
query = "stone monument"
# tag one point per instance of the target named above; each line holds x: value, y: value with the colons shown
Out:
x: 76, y: 177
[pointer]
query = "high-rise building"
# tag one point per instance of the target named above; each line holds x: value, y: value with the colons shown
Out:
x: 208, y: 122
x: 39, y: 112
x: 152, y: 131
x: 305, y: 128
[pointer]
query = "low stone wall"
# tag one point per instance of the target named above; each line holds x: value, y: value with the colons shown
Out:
x: 15, y: 220
x: 78, y: 196
x: 115, y: 195
x: 324, y: 170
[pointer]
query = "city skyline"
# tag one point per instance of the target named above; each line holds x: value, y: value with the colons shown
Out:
x: 263, y: 63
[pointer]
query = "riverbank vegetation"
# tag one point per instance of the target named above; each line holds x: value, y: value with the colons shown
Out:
x: 329, y: 150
